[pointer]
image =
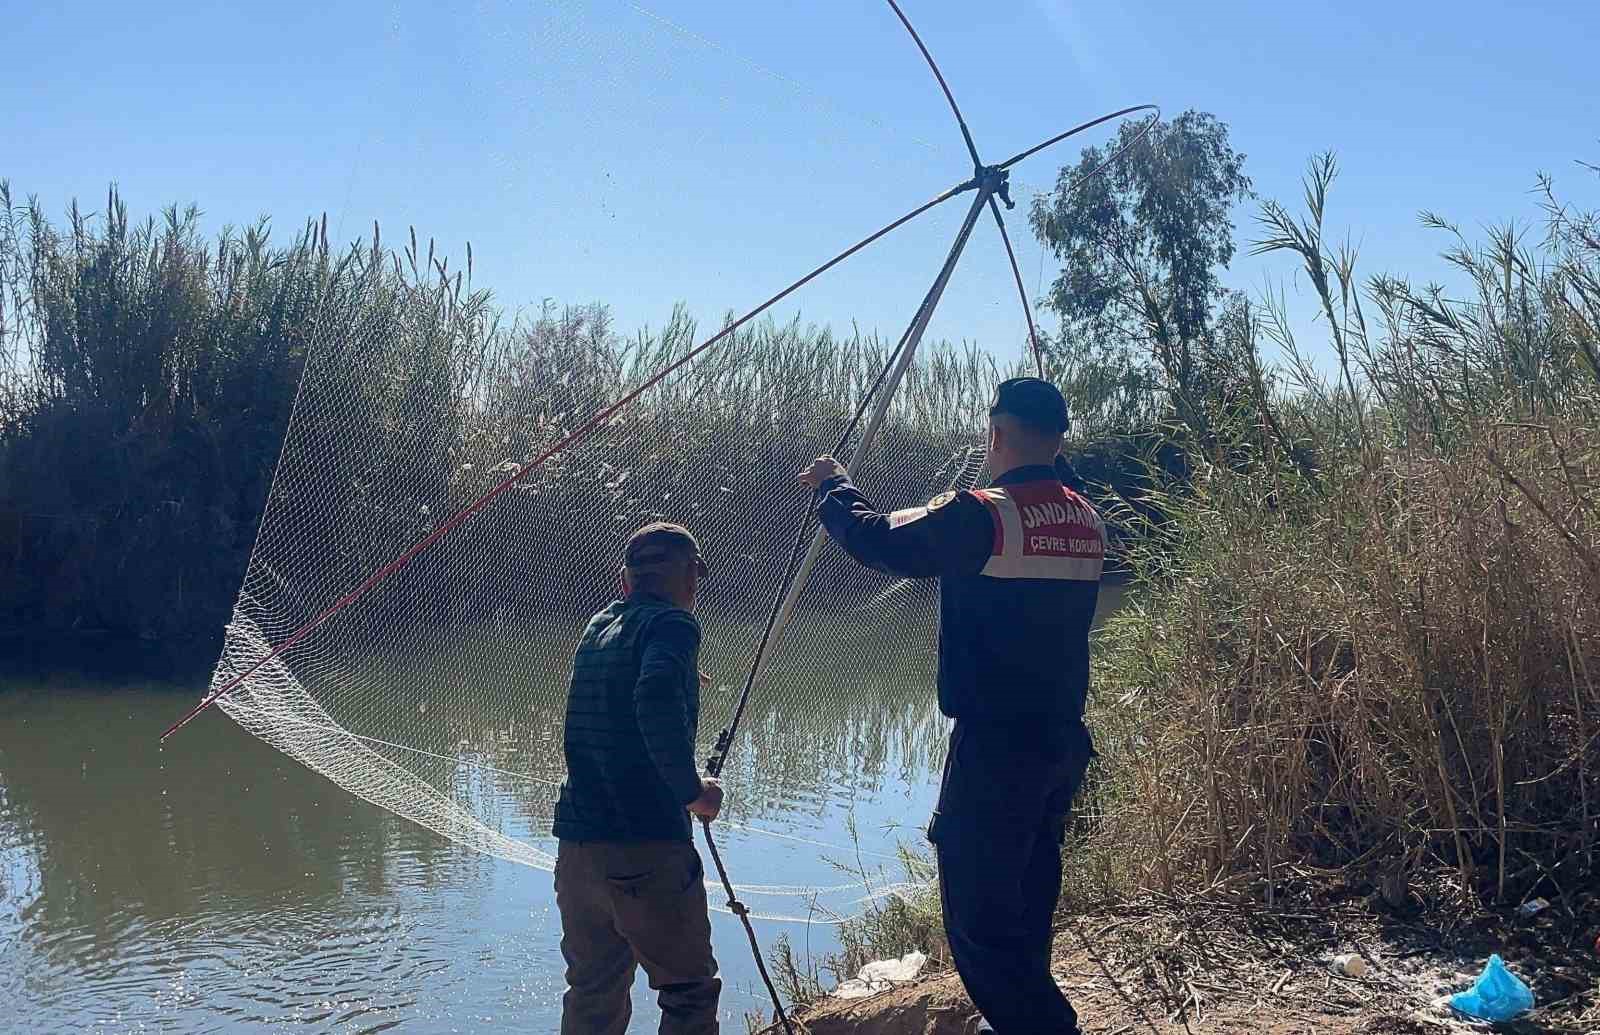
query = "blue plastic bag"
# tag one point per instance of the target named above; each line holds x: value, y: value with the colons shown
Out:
x: 1497, y: 995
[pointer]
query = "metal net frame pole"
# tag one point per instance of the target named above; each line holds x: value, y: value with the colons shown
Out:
x: 795, y: 584
x: 778, y: 621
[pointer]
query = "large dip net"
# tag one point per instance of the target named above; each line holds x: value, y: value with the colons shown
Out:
x: 444, y: 684
x: 455, y: 487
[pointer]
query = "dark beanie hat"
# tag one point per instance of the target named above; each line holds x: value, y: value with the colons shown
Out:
x: 1036, y: 403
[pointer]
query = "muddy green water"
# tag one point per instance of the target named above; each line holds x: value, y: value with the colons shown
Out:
x: 215, y: 885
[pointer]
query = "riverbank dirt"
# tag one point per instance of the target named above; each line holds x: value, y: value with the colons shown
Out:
x: 1229, y: 970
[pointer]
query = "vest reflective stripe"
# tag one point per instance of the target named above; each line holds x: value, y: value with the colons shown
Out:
x: 1044, y: 530
x: 901, y: 517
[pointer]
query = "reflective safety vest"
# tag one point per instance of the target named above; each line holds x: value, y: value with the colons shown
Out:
x: 1044, y: 530
x: 1014, y: 637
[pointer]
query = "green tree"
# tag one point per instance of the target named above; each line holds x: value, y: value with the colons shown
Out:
x: 1142, y: 245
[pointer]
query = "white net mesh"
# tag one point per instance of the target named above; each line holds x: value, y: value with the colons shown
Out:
x: 438, y: 694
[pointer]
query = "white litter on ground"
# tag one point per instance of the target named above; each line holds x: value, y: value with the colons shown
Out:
x: 880, y: 975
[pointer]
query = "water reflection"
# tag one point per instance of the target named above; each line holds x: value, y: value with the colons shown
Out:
x: 216, y: 885
x: 145, y: 887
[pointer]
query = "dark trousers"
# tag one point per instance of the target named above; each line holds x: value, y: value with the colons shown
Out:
x: 635, y: 903
x: 998, y: 832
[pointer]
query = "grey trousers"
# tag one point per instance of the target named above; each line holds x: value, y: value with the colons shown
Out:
x: 635, y: 903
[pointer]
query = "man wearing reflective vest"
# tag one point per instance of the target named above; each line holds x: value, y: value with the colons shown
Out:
x: 1019, y: 565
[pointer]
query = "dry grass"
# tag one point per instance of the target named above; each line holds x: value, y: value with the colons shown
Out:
x: 1367, y: 633
x: 1409, y: 679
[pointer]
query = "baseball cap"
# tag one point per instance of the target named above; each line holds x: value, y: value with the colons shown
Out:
x: 1035, y: 402
x: 655, y: 544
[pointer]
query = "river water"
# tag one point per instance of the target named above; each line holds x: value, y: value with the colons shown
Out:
x: 215, y: 885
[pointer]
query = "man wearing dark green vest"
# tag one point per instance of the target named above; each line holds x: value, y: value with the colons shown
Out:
x: 629, y: 883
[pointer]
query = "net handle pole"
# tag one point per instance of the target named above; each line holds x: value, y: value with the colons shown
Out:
x: 988, y: 184
x: 779, y: 620
x: 986, y: 190
x: 740, y: 910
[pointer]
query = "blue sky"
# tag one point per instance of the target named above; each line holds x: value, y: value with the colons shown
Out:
x: 590, y: 151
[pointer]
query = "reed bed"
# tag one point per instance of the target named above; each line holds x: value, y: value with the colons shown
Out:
x: 1366, y: 631
x: 147, y: 376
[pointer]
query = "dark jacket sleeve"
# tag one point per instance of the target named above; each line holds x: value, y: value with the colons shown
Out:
x: 667, y: 669
x: 952, y: 535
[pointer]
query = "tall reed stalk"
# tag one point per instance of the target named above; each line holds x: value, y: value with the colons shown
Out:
x: 1367, y: 624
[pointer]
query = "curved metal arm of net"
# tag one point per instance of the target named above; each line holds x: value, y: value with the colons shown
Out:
x: 955, y: 109
x: 1000, y: 223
